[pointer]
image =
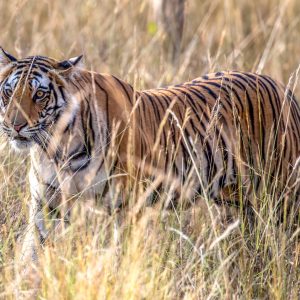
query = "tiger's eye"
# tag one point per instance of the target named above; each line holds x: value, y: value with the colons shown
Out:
x: 39, y: 95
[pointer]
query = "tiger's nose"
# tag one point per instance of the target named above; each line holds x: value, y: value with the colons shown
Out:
x: 18, y: 127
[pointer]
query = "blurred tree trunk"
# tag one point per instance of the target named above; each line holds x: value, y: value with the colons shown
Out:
x: 169, y: 15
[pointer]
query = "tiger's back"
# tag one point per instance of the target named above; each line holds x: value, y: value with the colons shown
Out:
x: 221, y: 126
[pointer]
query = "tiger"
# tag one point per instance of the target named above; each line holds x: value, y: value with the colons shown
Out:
x: 84, y: 129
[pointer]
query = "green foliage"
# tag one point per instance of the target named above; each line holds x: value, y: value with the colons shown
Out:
x: 152, y: 28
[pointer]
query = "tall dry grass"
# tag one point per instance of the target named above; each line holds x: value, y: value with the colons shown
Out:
x: 184, y: 254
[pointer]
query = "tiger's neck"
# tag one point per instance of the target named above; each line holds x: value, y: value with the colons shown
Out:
x: 100, y: 109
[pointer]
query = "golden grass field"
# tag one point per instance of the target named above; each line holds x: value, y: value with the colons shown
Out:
x: 185, y: 254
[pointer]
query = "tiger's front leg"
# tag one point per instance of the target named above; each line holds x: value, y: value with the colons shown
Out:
x: 45, y: 195
x: 36, y: 219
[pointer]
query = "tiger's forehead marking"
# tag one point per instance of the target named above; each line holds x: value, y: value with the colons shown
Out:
x: 37, y: 61
x: 35, y: 65
x: 32, y: 70
x: 32, y: 80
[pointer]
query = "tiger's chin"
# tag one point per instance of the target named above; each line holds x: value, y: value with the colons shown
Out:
x: 21, y: 144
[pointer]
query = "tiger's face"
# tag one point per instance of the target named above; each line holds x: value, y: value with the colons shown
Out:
x: 32, y: 98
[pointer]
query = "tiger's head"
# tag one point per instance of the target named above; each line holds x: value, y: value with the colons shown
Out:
x: 33, y: 96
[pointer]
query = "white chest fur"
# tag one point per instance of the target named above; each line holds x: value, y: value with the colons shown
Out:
x: 86, y: 183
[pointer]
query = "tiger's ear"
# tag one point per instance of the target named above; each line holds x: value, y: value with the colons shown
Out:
x: 66, y: 65
x: 5, y: 58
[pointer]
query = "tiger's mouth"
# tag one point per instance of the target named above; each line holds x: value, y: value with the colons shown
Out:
x: 20, y: 139
x: 21, y: 142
